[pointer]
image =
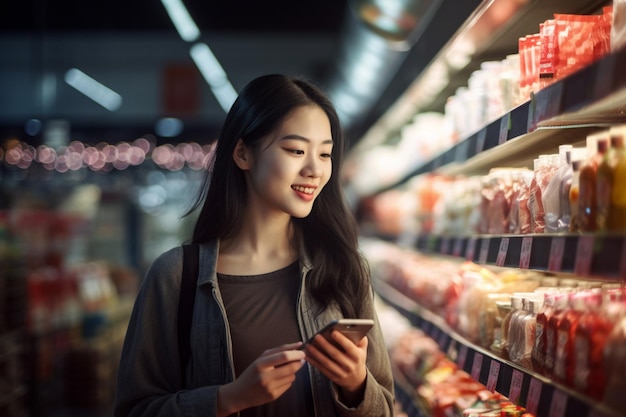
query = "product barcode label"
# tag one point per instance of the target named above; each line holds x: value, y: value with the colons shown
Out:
x: 555, y: 260
x: 517, y: 379
x: 494, y: 372
x: 534, y: 392
x: 502, y: 251
x: 558, y: 404
x: 525, y: 252
x: 476, y: 366
x: 584, y: 255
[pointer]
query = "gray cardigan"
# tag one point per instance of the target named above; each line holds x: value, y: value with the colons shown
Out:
x: 149, y: 376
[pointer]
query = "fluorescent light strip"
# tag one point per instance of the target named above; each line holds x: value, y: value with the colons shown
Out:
x: 91, y: 88
x: 214, y: 74
x: 180, y: 17
x: 225, y: 95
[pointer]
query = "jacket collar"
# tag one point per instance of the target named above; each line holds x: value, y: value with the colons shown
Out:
x: 208, y: 261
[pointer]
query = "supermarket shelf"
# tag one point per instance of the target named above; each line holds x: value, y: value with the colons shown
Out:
x: 562, y: 113
x: 601, y: 256
x: 539, y: 395
x: 406, y: 398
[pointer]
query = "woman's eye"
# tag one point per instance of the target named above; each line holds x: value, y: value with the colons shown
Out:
x: 296, y: 151
x: 327, y: 155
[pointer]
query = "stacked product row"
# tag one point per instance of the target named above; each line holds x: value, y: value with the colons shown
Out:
x: 580, y: 189
x: 570, y: 330
x: 561, y: 46
x: 436, y: 383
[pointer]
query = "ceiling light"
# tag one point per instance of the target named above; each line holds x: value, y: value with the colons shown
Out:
x: 93, y: 89
x: 214, y: 74
x: 180, y: 17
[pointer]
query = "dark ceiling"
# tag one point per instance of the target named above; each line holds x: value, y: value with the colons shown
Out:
x: 242, y: 19
x: 277, y: 16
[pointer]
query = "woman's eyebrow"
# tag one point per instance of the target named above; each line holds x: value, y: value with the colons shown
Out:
x: 302, y: 138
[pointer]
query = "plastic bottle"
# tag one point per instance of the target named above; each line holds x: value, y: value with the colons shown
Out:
x: 510, y: 329
x: 528, y: 324
x: 552, y: 197
x: 604, y: 186
x: 563, y: 369
x: 594, y: 327
x: 617, y: 211
x: 574, y: 194
x: 539, y: 349
x: 551, y: 331
x: 565, y: 182
x: 587, y: 185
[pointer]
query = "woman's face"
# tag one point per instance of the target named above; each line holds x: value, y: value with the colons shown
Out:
x: 293, y: 164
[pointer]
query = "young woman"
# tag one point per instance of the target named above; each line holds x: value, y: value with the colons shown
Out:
x: 278, y: 261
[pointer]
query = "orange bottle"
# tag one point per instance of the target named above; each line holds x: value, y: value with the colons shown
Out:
x: 617, y: 211
x: 587, y: 187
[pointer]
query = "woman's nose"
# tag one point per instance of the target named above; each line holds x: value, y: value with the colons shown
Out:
x: 313, y: 167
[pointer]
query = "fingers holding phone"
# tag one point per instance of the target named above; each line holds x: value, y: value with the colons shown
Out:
x: 339, y: 351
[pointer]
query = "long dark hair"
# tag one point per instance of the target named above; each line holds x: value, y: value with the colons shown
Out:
x: 339, y: 275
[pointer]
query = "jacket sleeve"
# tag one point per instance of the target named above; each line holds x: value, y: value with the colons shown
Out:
x: 378, y: 399
x: 149, y: 374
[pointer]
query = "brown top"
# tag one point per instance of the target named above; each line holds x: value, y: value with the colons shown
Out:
x: 261, y: 312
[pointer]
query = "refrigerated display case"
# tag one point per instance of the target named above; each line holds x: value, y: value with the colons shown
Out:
x: 588, y: 101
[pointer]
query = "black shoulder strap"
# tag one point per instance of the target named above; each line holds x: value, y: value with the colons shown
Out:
x: 186, y: 302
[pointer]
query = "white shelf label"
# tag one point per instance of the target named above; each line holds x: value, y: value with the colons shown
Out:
x: 534, y: 392
x: 517, y: 379
x: 445, y: 245
x: 470, y: 249
x: 458, y: 243
x: 480, y: 140
x: 462, y: 356
x: 557, y: 247
x: 558, y: 404
x: 525, y: 252
x: 476, y: 366
x: 484, y: 251
x: 584, y: 255
x: 502, y: 251
x: 494, y: 372
x: 505, y: 125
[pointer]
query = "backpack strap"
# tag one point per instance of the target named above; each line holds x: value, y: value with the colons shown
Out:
x: 186, y: 302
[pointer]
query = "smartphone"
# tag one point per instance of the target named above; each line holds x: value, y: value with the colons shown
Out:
x: 354, y: 329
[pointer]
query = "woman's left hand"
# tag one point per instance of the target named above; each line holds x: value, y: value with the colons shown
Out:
x: 343, y: 362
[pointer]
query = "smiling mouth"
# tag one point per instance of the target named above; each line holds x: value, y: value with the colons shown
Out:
x: 305, y: 190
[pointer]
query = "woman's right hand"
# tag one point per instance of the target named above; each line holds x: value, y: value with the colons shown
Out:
x: 266, y: 379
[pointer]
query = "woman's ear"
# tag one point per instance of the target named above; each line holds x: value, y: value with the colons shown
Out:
x: 241, y: 156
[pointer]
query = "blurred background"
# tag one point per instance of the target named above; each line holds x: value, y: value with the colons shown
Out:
x: 109, y: 111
